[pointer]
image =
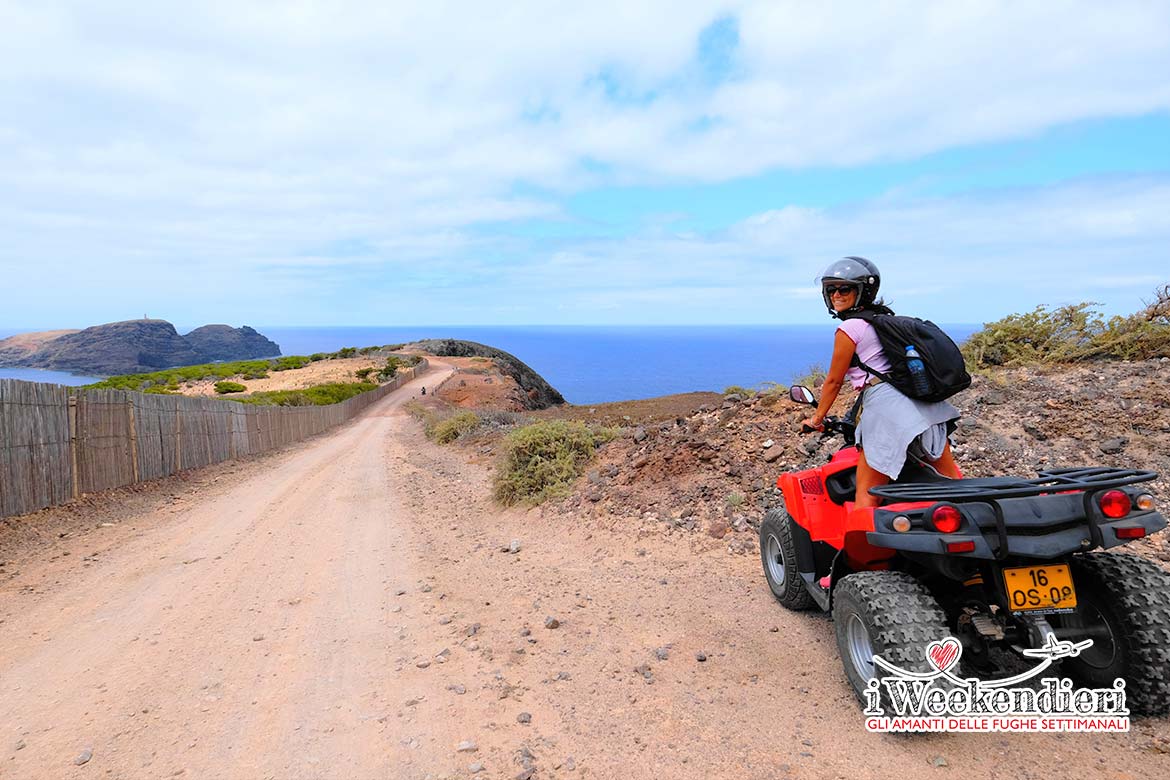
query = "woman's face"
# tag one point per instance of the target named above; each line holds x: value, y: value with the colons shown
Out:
x: 843, y: 296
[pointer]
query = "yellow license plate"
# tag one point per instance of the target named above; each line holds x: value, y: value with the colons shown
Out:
x: 1035, y: 588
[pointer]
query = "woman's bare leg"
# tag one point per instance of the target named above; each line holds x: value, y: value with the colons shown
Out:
x: 946, y: 465
x: 868, y: 478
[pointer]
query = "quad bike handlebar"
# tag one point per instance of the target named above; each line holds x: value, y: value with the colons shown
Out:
x: 831, y: 426
x: 844, y: 426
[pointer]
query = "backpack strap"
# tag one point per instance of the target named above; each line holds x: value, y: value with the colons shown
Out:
x: 871, y: 371
x: 868, y: 316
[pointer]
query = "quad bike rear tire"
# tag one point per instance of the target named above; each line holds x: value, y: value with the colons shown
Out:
x: 1130, y: 596
x: 778, y: 555
x: 886, y: 613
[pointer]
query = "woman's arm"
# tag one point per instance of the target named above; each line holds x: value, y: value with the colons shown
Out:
x: 843, y: 349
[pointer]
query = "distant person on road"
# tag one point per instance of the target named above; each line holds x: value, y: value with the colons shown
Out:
x: 424, y: 390
x: 891, y: 422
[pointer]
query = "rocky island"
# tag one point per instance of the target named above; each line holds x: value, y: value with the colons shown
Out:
x: 132, y: 346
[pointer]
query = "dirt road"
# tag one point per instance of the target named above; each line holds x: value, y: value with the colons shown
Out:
x: 344, y: 609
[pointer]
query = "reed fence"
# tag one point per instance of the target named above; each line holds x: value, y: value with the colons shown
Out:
x: 58, y: 442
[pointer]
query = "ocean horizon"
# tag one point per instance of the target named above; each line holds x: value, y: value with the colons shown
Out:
x: 593, y: 364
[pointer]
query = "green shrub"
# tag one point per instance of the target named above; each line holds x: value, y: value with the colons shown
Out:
x: 812, y: 375
x: 735, y: 500
x: 290, y: 362
x: 451, y: 428
x: 223, y: 388
x: 317, y: 356
x: 1040, y: 336
x: 742, y: 392
x: 368, y: 350
x: 172, y: 377
x: 345, y: 352
x: 391, y: 368
x: 771, y: 393
x: 363, y: 373
x: 317, y: 395
x: 542, y: 460
x: 1074, y: 333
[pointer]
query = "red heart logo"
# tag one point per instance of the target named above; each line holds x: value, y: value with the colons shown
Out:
x: 944, y: 654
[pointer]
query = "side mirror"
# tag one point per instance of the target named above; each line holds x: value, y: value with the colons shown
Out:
x: 802, y: 395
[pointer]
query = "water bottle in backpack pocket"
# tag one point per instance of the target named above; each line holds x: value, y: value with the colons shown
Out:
x: 918, y: 375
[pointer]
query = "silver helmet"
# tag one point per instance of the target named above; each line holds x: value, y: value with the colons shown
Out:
x: 852, y: 270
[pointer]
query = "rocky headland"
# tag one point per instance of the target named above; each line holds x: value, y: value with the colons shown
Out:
x: 223, y: 342
x: 533, y: 391
x: 133, y: 346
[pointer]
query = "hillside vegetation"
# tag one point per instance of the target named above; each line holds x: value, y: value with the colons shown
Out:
x: 170, y: 380
x: 1073, y: 334
x: 319, y: 379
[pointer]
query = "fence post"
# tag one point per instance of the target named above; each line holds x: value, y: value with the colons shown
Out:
x: 73, y: 444
x: 133, y: 437
x: 178, y: 437
x: 231, y: 434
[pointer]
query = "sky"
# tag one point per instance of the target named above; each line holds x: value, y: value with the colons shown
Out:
x: 603, y: 163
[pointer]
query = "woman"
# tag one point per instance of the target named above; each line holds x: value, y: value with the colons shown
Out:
x: 890, y: 423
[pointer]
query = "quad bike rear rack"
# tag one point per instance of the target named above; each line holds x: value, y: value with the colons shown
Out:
x: 1089, y: 480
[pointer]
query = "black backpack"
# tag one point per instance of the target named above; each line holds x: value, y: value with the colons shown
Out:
x: 944, y: 363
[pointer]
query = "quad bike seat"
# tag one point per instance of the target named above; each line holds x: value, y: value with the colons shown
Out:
x: 842, y: 486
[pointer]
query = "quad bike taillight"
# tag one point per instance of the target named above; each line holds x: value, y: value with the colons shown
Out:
x: 946, y: 519
x: 1144, y: 502
x: 1115, y: 503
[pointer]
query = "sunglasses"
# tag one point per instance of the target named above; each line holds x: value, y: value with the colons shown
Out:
x: 843, y: 289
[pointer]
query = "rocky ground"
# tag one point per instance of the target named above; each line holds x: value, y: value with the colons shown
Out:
x: 708, y: 464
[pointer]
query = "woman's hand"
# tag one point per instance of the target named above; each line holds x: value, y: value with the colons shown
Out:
x: 812, y: 422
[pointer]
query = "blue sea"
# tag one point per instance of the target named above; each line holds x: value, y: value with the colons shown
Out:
x: 591, y: 364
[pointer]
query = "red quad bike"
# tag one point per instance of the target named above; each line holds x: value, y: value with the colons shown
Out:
x: 1000, y: 563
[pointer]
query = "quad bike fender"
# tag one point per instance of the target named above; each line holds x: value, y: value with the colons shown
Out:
x: 806, y: 561
x: 859, y: 554
x: 806, y: 565
x: 810, y: 506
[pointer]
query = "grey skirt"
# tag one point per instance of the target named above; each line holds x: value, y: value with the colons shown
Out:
x: 891, y: 423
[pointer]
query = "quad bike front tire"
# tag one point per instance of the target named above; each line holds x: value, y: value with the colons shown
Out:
x: 1130, y: 597
x: 886, y: 613
x: 778, y: 555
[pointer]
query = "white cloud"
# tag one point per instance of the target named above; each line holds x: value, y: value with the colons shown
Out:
x: 240, y: 138
x: 955, y: 259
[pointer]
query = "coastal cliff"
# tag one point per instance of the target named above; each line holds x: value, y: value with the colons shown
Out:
x: 223, y: 342
x: 132, y: 346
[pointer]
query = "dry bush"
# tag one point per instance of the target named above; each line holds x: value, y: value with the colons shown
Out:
x: 1074, y: 333
x: 542, y: 460
x: 448, y: 429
